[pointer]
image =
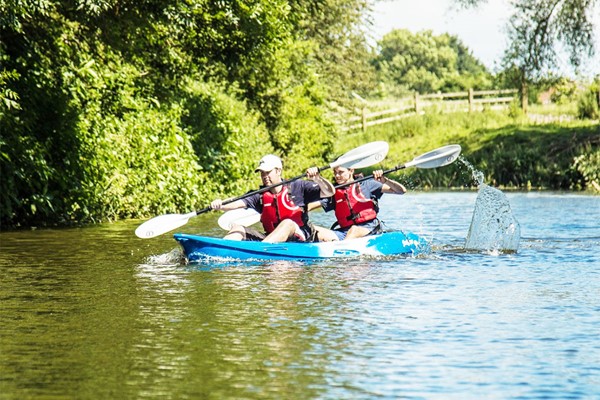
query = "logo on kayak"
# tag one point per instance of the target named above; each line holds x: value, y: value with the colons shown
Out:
x: 410, y: 242
x: 346, y: 252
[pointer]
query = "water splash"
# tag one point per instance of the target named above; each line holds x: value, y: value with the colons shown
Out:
x: 173, y: 257
x: 493, y: 227
x: 477, y: 175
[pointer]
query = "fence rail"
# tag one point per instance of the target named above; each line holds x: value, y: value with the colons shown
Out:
x: 468, y: 101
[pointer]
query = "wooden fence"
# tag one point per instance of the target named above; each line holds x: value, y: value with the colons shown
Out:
x: 468, y: 101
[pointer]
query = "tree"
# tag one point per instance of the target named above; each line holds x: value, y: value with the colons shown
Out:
x: 109, y: 126
x: 335, y: 32
x: 538, y: 27
x: 424, y: 63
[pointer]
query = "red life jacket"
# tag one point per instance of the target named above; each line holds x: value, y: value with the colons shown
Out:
x: 277, y: 207
x: 352, y: 207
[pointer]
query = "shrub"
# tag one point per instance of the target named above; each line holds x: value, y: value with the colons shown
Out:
x: 228, y: 139
x: 587, y: 106
x: 304, y: 134
x: 589, y: 167
x: 565, y: 91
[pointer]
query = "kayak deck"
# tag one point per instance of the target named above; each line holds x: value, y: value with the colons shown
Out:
x: 198, y: 248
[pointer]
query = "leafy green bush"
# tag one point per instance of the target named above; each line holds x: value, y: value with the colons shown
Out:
x: 589, y: 167
x: 136, y: 165
x: 228, y: 139
x: 587, y: 106
x: 104, y: 153
x: 304, y: 134
x: 565, y: 91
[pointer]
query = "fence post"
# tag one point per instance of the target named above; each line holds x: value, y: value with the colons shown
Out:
x: 524, y: 97
x: 364, y: 118
x: 416, y: 97
x: 470, y: 99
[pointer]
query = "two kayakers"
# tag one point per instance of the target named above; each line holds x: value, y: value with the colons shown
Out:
x: 283, y: 209
x: 355, y: 204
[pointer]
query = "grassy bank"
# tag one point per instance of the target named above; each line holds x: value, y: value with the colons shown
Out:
x: 511, y: 153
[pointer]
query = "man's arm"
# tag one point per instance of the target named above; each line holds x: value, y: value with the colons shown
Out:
x: 389, y: 185
x: 218, y: 205
x: 327, y: 189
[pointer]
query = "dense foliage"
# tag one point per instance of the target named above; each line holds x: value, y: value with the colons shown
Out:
x: 115, y: 109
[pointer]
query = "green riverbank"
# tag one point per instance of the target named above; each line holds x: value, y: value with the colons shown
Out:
x: 512, y: 153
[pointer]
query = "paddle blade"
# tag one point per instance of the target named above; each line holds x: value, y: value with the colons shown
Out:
x: 162, y: 224
x: 240, y: 216
x: 436, y: 158
x: 363, y: 156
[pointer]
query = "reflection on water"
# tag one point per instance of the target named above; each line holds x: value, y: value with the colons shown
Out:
x: 99, y: 313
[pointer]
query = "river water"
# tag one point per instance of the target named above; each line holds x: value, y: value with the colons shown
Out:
x: 96, y: 313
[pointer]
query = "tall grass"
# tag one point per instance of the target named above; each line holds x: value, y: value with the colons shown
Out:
x: 511, y: 152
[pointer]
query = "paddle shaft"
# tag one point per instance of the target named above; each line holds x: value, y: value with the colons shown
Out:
x: 360, y: 157
x: 364, y: 178
x: 261, y: 190
x: 433, y: 159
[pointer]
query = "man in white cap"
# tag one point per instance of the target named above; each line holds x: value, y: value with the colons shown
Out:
x: 283, y: 208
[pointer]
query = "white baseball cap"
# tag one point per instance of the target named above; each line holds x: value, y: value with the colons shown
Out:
x: 269, y: 163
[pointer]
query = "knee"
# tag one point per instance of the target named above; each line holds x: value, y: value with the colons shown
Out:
x: 356, y: 232
x: 235, y: 228
x: 325, y: 235
x: 288, y: 225
x: 237, y: 232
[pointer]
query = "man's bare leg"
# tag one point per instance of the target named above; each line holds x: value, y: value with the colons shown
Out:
x: 325, y: 235
x: 283, y: 232
x: 356, y: 232
x: 237, y: 232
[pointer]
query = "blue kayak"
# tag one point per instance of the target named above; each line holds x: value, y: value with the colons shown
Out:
x: 200, y: 248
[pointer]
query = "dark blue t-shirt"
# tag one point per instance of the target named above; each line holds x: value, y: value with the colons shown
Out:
x: 370, y: 188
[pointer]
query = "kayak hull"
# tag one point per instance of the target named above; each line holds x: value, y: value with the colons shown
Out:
x: 199, y: 248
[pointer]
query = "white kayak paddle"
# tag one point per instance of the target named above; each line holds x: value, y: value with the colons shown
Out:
x: 433, y: 159
x: 241, y: 216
